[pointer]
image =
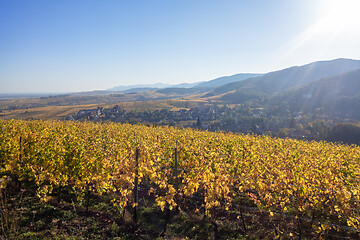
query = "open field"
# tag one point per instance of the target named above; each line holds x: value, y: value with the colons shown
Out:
x: 36, y: 108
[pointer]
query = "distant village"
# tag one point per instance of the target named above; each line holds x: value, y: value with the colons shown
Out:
x: 240, y: 119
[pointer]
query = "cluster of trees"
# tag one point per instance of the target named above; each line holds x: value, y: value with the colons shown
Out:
x: 277, y: 121
x: 348, y: 133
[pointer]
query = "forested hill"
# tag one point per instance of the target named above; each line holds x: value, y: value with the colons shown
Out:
x: 334, y: 95
x: 279, y: 81
x: 226, y: 80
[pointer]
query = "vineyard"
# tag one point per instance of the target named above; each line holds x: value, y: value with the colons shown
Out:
x: 315, y: 185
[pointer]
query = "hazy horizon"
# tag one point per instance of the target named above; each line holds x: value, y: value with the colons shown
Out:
x: 74, y: 46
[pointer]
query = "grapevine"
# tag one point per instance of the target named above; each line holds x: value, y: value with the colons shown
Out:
x: 299, y: 178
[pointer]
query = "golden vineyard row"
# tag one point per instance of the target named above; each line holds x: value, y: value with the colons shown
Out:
x: 298, y: 178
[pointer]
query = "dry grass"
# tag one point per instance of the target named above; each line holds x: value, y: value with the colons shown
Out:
x: 45, y: 113
x: 63, y: 111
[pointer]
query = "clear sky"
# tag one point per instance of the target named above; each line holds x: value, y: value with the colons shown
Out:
x: 81, y: 45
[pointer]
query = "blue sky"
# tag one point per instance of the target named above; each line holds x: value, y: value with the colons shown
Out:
x: 67, y: 46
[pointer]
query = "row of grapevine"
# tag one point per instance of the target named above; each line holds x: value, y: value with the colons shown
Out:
x: 298, y: 178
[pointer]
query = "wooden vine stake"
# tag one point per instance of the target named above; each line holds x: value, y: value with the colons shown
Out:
x: 20, y: 160
x: 136, y: 182
x: 176, y: 178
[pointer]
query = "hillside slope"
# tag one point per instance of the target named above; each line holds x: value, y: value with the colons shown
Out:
x: 279, y: 81
x: 335, y: 95
x: 226, y: 80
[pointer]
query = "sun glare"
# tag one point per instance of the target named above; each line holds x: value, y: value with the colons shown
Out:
x: 336, y: 30
x: 340, y: 15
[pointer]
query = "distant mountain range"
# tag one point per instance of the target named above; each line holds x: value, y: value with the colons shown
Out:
x: 276, y: 82
x: 314, y: 85
x: 139, y: 86
x: 203, y: 84
x: 335, y: 95
x: 226, y: 80
x: 329, y: 89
